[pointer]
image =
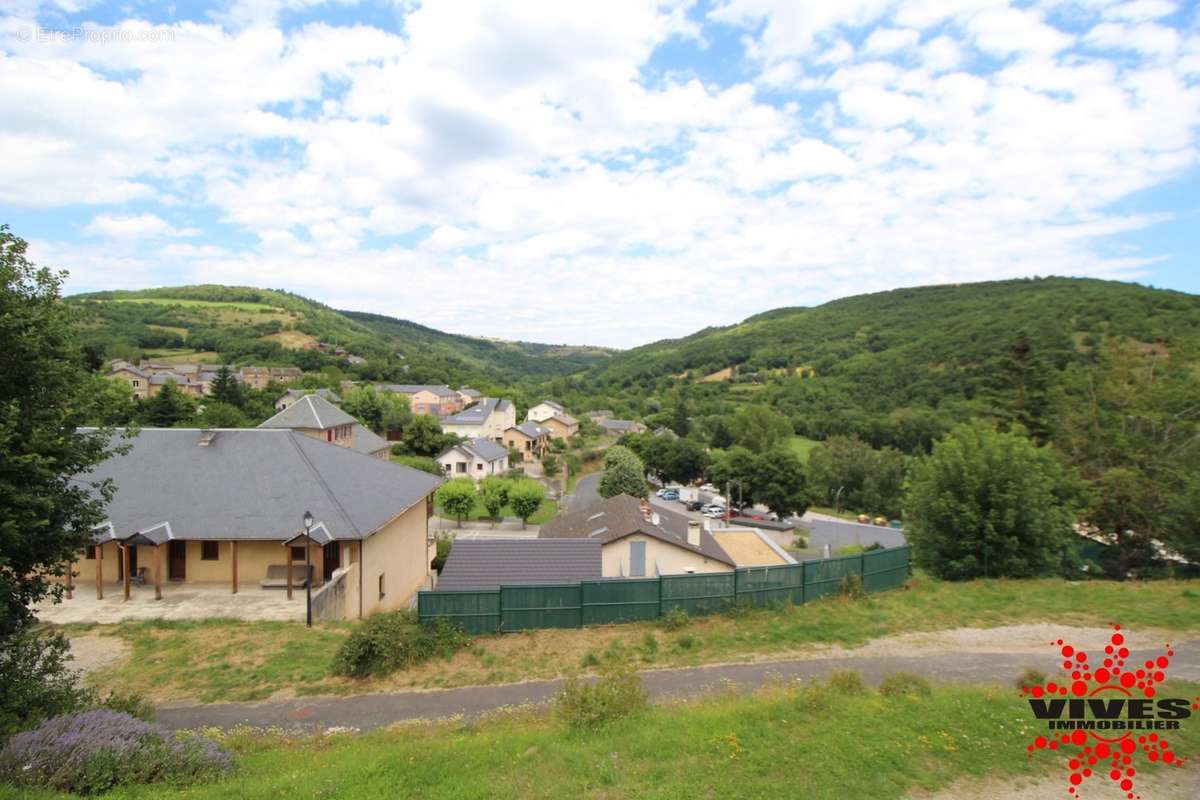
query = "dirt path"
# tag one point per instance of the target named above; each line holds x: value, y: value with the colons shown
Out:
x: 90, y: 651
x: 992, y: 656
x: 1161, y: 784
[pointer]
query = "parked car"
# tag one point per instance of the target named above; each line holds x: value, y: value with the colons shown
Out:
x: 714, y: 511
x: 750, y: 513
x: 694, y: 505
x: 669, y: 494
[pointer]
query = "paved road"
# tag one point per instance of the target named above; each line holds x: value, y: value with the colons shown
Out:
x: 586, y: 493
x: 366, y: 712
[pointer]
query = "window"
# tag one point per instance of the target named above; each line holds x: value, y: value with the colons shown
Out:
x: 382, y: 593
x: 462, y: 466
x: 297, y: 554
x: 479, y: 467
x: 91, y: 552
x: 136, y: 384
x: 209, y: 551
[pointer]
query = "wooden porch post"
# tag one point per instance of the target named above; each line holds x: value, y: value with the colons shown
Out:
x: 125, y: 562
x: 99, y: 572
x: 158, y: 572
x: 235, y: 549
x: 289, y: 570
x: 70, y: 580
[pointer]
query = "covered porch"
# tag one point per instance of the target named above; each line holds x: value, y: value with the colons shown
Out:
x: 180, y: 601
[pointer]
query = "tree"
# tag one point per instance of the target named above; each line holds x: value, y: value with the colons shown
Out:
x: 226, y: 389
x: 457, y: 497
x: 846, y: 472
x: 424, y: 436
x: 760, y: 428
x: 167, y: 408
x: 679, y: 419
x: 46, y: 518
x: 221, y: 415
x: 525, y: 497
x: 107, y: 401
x: 623, y: 473
x: 493, y: 492
x: 778, y: 482
x: 550, y: 465
x: 990, y: 504
x: 379, y: 410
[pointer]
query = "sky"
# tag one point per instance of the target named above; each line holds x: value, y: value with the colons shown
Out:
x: 600, y: 173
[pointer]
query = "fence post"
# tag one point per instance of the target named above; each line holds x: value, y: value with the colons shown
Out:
x: 499, y: 609
x: 579, y: 608
x: 660, y: 594
x: 862, y: 570
x: 803, y: 582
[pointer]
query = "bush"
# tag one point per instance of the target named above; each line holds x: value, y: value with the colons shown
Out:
x: 904, y: 684
x: 37, y: 683
x: 739, y: 607
x: 801, y: 543
x: 674, y: 619
x: 384, y: 643
x: 846, y: 681
x: 852, y: 586
x: 1030, y: 678
x: 685, y: 642
x: 94, y: 751
x: 131, y: 703
x: 444, y: 545
x: 618, y: 692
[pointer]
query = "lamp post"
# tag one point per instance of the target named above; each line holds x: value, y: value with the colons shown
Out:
x: 308, y: 521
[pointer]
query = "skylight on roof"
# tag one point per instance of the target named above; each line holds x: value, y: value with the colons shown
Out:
x: 597, y: 532
x: 597, y: 515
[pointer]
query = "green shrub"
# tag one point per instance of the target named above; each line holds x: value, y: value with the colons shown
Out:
x: 852, y: 586
x: 587, y: 705
x: 131, y: 703
x: 589, y: 660
x: 1030, y: 678
x: 37, y: 682
x: 849, y: 550
x: 904, y: 684
x: 739, y: 607
x: 801, y: 543
x: 674, y: 619
x: 444, y: 545
x: 685, y: 642
x: 812, y: 697
x: 384, y: 643
x: 649, y: 646
x: 846, y: 681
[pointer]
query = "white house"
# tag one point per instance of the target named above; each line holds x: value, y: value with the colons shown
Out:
x: 544, y: 410
x: 487, y: 419
x: 475, y: 458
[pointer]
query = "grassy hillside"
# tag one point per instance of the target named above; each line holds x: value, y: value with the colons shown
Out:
x: 242, y: 324
x: 957, y: 350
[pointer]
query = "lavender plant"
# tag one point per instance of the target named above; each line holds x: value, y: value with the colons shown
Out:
x: 94, y: 751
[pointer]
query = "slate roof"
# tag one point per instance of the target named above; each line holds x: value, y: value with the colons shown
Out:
x: 311, y: 412
x: 482, y: 448
x: 533, y: 430
x: 413, y: 388
x: 367, y: 441
x: 478, y: 413
x: 564, y: 418
x: 469, y: 392
x: 328, y: 394
x: 552, y: 404
x: 621, y: 516
x: 619, y: 424
x: 488, y: 563
x: 250, y: 484
x: 161, y: 379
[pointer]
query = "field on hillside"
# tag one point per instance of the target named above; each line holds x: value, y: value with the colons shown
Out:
x: 214, y: 660
x: 174, y: 301
x: 822, y: 742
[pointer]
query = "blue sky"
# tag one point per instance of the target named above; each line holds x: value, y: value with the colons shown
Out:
x: 601, y: 173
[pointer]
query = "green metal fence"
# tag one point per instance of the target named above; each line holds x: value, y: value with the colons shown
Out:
x: 572, y: 605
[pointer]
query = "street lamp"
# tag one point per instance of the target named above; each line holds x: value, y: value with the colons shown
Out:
x: 308, y: 521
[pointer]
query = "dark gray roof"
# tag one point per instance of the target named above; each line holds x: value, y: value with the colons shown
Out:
x: 621, y: 516
x: 413, y: 388
x: 310, y: 412
x: 481, y: 447
x: 619, y: 424
x: 367, y: 441
x: 488, y: 563
x: 328, y: 394
x: 478, y: 413
x: 533, y: 430
x: 469, y: 392
x: 252, y: 483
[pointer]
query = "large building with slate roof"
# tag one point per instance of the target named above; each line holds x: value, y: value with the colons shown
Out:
x: 489, y: 418
x: 638, y: 539
x: 226, y: 506
x: 474, y: 458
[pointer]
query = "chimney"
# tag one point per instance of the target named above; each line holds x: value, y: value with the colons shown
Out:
x: 693, y: 533
x: 645, y: 510
x: 206, y: 437
x: 655, y: 519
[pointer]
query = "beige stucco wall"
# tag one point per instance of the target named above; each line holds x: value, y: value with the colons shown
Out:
x: 253, y: 560
x: 661, y: 558
x: 540, y: 412
x: 559, y: 429
x: 399, y: 552
x: 475, y: 468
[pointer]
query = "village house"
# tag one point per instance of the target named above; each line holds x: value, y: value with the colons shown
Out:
x: 476, y: 458
x: 137, y: 378
x: 639, y: 540
x: 489, y: 419
x: 292, y: 395
x: 481, y: 564
x: 225, y: 507
x: 432, y: 399
x: 368, y: 442
x: 553, y: 416
x: 469, y: 395
x: 313, y: 415
x: 259, y: 377
x: 620, y: 427
x: 544, y: 410
x: 530, y: 439
x: 599, y: 416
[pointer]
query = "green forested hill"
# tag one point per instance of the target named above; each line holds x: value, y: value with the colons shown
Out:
x: 876, y: 364
x: 264, y: 326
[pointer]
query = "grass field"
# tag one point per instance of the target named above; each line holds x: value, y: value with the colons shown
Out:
x: 293, y: 340
x: 171, y: 301
x: 216, y: 660
x: 182, y: 356
x: 801, y: 446
x: 787, y: 741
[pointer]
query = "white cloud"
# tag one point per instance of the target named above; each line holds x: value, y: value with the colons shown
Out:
x: 522, y: 148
